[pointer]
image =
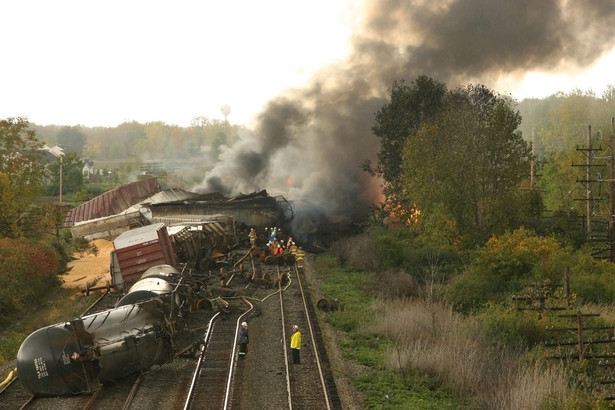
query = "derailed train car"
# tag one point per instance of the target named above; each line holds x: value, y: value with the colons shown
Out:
x: 143, y: 330
x: 81, y: 354
x: 188, y: 240
x: 257, y: 210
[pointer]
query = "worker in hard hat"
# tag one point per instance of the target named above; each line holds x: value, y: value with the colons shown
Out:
x: 243, y: 340
x: 295, y: 345
x: 299, y: 257
x: 252, y: 237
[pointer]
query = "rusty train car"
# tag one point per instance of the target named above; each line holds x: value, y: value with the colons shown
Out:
x: 144, y: 202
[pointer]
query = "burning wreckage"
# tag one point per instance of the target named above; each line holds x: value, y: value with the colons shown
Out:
x: 150, y: 226
x: 160, y: 239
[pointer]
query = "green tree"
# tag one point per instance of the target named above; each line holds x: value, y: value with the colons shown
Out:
x: 72, y: 176
x: 92, y: 151
x: 8, y: 209
x: 409, y: 107
x: 118, y: 142
x: 23, y: 167
x: 469, y: 161
x: 560, y: 126
x: 72, y: 139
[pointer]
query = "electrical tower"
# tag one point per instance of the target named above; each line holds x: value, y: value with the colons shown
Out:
x: 600, y: 227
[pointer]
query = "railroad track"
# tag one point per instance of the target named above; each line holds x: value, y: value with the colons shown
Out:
x: 221, y: 381
x: 212, y: 382
x: 310, y: 384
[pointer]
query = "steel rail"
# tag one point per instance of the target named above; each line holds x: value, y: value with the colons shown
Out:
x: 284, y: 344
x: 316, y: 355
x: 199, y: 364
x: 233, y: 361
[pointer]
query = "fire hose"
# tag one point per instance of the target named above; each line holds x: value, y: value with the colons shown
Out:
x: 10, y: 377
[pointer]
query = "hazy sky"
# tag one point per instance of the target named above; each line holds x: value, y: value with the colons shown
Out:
x: 104, y: 62
x: 99, y: 63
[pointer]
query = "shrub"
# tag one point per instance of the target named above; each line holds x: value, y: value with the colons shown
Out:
x: 521, y: 254
x: 324, y: 264
x: 359, y: 252
x: 594, y: 288
x: 83, y: 246
x: 591, y: 280
x: 511, y: 328
x: 505, y: 265
x: 392, y: 247
x: 470, y: 291
x: 391, y: 285
x: 28, y: 270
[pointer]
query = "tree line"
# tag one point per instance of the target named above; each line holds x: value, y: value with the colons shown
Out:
x: 464, y: 230
x: 463, y: 158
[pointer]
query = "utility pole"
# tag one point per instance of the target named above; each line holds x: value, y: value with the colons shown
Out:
x: 590, y: 156
x: 532, y: 161
x: 588, y: 186
x: 61, y: 172
x: 612, y: 195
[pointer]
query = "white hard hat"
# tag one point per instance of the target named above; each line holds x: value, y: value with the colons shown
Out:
x: 244, y: 324
x: 295, y: 327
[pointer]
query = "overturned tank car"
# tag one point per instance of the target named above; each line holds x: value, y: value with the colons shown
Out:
x: 79, y: 355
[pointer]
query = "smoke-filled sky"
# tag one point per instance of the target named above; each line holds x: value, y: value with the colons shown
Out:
x: 317, y: 135
x: 99, y: 63
x: 306, y: 77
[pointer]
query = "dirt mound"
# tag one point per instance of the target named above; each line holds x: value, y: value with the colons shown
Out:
x: 90, y: 269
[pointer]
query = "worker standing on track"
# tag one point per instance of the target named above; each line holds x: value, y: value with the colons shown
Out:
x: 299, y: 257
x: 293, y: 248
x: 295, y: 345
x: 252, y: 236
x: 243, y: 340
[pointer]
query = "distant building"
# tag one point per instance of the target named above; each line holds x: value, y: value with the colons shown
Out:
x: 88, y: 169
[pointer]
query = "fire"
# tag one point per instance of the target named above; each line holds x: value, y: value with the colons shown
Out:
x: 398, y: 214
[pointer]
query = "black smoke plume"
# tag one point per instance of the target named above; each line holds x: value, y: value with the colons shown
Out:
x: 310, y: 142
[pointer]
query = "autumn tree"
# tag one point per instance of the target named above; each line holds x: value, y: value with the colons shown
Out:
x: 467, y: 161
x: 22, y: 168
x: 28, y: 270
x: 506, y: 264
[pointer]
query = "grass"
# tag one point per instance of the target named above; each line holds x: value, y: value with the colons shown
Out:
x: 384, y: 388
x: 66, y: 303
x: 422, y: 355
